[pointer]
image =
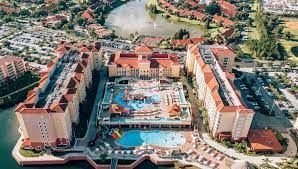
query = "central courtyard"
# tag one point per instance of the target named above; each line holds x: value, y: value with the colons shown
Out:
x: 157, y: 103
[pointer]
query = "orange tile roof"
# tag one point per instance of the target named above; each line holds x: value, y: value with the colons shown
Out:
x: 59, y: 108
x: 226, y: 52
x: 143, y: 48
x: 262, y: 140
x: 132, y: 60
x: 88, y: 15
x: 34, y: 110
x: 229, y: 109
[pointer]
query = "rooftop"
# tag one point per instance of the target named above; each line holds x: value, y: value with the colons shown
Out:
x: 209, y: 54
x: 263, y: 140
x: 133, y: 60
x: 5, y: 59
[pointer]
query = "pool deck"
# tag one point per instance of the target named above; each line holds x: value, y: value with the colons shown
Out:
x: 145, y: 114
x: 188, y: 154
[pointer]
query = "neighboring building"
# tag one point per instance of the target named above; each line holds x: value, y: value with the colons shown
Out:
x: 228, y: 117
x: 54, y: 20
x: 227, y: 8
x: 100, y: 31
x: 225, y: 35
x: 6, y: 7
x: 11, y: 67
x: 144, y: 63
x: 263, y: 140
x: 185, y: 42
x: 46, y: 116
x: 88, y: 15
x: 222, y: 21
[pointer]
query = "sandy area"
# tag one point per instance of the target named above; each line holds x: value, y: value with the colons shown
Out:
x: 292, y: 25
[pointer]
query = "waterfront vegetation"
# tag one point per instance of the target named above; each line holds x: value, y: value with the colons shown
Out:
x: 213, y: 29
x: 31, y: 153
x: 86, y: 107
x: 13, y: 85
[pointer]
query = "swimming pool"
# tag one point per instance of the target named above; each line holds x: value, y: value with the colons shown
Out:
x: 136, y: 104
x: 159, y: 138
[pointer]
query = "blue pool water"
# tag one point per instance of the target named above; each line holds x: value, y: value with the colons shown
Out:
x: 135, y: 104
x: 159, y: 138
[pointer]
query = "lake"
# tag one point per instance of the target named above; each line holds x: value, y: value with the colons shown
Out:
x: 133, y: 17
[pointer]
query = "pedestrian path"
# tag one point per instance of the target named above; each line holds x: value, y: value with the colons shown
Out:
x: 114, y: 163
x: 291, y: 151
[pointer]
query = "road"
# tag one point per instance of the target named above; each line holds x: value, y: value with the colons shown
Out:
x: 92, y: 128
x: 291, y: 151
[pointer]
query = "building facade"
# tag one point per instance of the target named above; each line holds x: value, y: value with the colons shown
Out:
x: 47, y: 115
x: 228, y: 117
x: 11, y: 67
x: 144, y: 64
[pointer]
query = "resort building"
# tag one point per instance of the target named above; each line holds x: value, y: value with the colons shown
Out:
x: 47, y: 115
x: 11, y: 67
x: 144, y: 64
x: 228, y: 117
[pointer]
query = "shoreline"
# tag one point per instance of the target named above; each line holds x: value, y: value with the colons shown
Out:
x: 174, y: 18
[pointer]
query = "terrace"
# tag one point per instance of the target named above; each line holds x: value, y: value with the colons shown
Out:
x: 153, y: 103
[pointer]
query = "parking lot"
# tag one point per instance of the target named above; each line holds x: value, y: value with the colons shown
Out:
x: 35, y: 44
x: 116, y: 45
x: 257, y: 96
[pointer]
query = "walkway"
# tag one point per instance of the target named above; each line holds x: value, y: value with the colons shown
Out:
x: 114, y: 163
x: 291, y: 151
x: 92, y: 128
x: 194, y: 103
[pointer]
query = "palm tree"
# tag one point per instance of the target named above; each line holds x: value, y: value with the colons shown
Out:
x: 265, y: 164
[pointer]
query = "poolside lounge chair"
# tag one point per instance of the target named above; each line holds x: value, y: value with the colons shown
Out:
x: 220, y: 158
x: 210, y: 150
x: 214, y: 154
x: 213, y: 165
x: 203, y: 148
x: 206, y: 162
x: 200, y: 159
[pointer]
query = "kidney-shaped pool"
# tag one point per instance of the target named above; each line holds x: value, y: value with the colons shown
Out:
x: 159, y: 138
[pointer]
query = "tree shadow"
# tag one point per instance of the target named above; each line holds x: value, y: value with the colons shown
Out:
x: 294, y: 50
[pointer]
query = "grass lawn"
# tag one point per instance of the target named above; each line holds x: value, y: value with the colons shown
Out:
x: 291, y: 46
x: 31, y: 153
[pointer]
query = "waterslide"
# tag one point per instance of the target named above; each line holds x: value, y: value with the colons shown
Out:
x: 115, y: 133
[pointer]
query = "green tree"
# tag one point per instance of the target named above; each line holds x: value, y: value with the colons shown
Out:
x: 213, y: 9
x: 6, y: 44
x: 288, y: 35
